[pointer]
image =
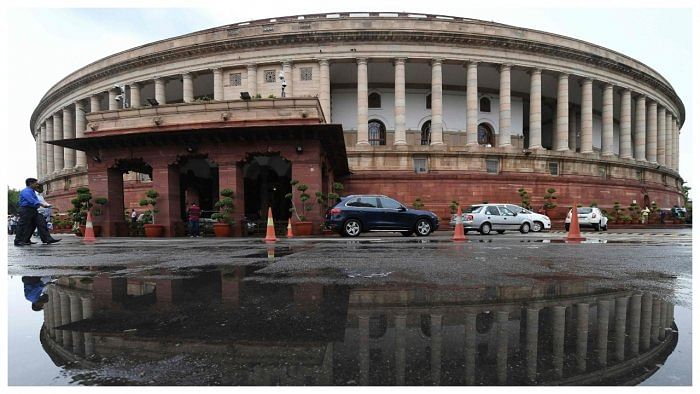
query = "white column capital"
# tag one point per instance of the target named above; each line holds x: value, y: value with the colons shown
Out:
x: 535, y: 70
x: 323, y: 61
x: 361, y: 60
x: 470, y: 63
x: 505, y: 67
x: 436, y: 61
x: 399, y: 60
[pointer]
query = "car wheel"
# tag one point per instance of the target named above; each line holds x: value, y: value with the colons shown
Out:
x: 596, y: 227
x: 566, y: 227
x: 485, y: 228
x: 500, y: 231
x: 352, y: 228
x: 525, y: 228
x: 407, y: 233
x: 605, y: 228
x: 423, y: 228
x: 537, y: 227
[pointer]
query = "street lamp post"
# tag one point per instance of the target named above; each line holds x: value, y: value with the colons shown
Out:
x: 283, y: 82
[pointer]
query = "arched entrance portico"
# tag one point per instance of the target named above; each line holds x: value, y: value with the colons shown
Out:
x: 199, y: 182
x: 266, y: 183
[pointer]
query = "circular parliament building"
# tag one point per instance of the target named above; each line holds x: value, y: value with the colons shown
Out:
x: 412, y: 106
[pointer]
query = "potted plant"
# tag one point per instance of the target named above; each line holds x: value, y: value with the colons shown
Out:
x: 617, y: 212
x: 549, y: 199
x: 82, y: 203
x: 524, y: 198
x: 152, y: 229
x: 453, y: 207
x: 302, y: 227
x: 654, y: 214
x: 224, y: 218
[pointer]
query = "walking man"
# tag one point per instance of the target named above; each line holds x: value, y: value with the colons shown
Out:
x: 28, y: 216
x: 645, y: 215
x: 193, y: 214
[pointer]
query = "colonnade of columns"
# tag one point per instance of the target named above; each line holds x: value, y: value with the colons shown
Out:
x: 64, y: 307
x: 626, y: 325
x: 654, y: 138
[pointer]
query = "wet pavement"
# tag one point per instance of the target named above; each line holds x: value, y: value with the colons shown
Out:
x: 508, y: 309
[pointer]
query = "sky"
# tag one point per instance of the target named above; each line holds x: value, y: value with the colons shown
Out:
x: 46, y: 44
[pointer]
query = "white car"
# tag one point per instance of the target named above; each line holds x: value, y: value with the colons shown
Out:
x: 539, y: 222
x: 589, y: 217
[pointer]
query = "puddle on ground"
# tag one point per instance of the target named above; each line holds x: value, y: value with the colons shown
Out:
x: 227, y: 326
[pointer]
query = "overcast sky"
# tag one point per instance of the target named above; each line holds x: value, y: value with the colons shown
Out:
x: 45, y: 45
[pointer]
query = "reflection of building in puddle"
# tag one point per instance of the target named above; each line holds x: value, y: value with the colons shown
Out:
x: 561, y: 332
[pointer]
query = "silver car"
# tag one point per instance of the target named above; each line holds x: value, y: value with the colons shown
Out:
x: 539, y: 222
x: 588, y: 217
x: 487, y: 217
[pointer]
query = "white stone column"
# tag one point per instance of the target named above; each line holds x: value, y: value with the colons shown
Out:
x: 435, y: 348
x: 80, y: 125
x: 68, y: 133
x: 635, y: 323
x: 573, y: 128
x: 562, y: 125
x: 324, y: 89
x: 587, y: 116
x: 288, y: 77
x: 651, y: 132
x: 95, y: 103
x: 661, y: 136
x: 535, y: 109
x: 362, y: 104
x: 558, y: 332
x: 187, y: 88
x: 218, y: 84
x: 135, y: 95
x: 50, y: 167
x: 76, y: 314
x: 504, y: 104
x: 581, y: 336
x: 502, y: 346
x: 472, y: 104
x: 626, y: 125
x: 44, y: 151
x: 640, y: 129
x: 676, y: 144
x: 160, y: 89
x: 56, y: 315
x: 436, y: 104
x: 531, y: 335
x: 400, y: 349
x: 607, y: 134
x: 112, y: 103
x: 470, y: 348
x: 620, y: 327
x: 37, y: 151
x: 253, y: 81
x: 57, y: 135
x: 602, y: 330
x: 400, y: 101
x: 669, y: 139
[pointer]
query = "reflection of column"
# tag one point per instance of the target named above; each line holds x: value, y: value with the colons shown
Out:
x: 47, y: 316
x: 400, y: 327
x: 326, y: 378
x: 435, y: 347
x: 620, y: 323
x: 65, y: 319
x: 581, y: 336
x: 362, y: 104
x: 603, y: 327
x: 669, y: 313
x: 502, y: 346
x: 470, y: 348
x: 535, y: 109
x: 76, y: 314
x: 655, y: 317
x: 363, y: 328
x: 531, y: 334
x: 558, y: 326
x: 635, y: 315
x: 662, y: 321
x: 56, y: 334
x: 645, y: 322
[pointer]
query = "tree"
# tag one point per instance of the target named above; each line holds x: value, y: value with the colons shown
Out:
x: 524, y: 198
x: 549, y: 199
x: 12, y: 201
x: 151, y: 199
x: 303, y: 197
x: 225, y: 206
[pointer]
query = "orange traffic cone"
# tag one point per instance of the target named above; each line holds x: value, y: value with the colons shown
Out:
x: 574, y: 230
x: 270, y: 236
x: 290, y: 233
x: 89, y: 236
x: 459, y: 227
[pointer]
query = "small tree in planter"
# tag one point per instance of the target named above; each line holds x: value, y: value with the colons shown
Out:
x: 82, y: 203
x: 224, y: 217
x: 654, y: 213
x: 302, y: 227
x: 617, y: 212
x: 549, y: 200
x: 418, y: 203
x: 152, y: 229
x: 326, y: 202
x: 453, y: 207
x: 634, y: 211
x: 524, y: 198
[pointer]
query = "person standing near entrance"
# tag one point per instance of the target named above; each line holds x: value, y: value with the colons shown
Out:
x: 28, y: 216
x: 193, y: 214
x: 645, y: 215
x: 133, y: 215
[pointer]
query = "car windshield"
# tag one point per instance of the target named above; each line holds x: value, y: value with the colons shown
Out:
x: 583, y: 211
x: 472, y: 209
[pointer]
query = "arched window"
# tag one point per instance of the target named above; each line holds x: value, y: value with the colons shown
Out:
x: 377, y: 132
x: 485, y: 104
x: 425, y: 133
x: 374, y: 100
x: 485, y: 135
x: 429, y: 101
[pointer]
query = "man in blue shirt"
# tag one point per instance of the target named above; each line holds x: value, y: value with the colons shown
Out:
x: 28, y: 216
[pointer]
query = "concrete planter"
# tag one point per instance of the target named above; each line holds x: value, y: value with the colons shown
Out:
x: 222, y: 229
x: 302, y: 228
x: 153, y: 230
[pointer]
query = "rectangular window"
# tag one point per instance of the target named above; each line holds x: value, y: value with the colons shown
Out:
x: 306, y: 74
x: 492, y: 166
x: 144, y: 177
x: 235, y: 79
x: 420, y: 165
x: 553, y: 168
x: 640, y: 175
x: 270, y: 76
x: 602, y: 172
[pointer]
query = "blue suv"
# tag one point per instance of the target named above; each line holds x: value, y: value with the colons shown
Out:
x: 362, y: 213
